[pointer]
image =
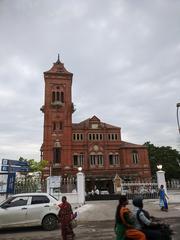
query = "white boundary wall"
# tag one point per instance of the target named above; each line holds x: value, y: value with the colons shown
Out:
x: 77, y: 197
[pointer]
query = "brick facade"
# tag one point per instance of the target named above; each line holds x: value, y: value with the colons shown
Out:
x: 92, y: 144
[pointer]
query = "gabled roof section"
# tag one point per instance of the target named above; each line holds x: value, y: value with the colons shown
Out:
x: 58, y: 68
x: 87, y: 124
x: 130, y: 145
x: 94, y: 119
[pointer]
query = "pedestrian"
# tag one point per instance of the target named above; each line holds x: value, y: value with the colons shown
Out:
x: 163, y: 199
x: 124, y: 222
x: 65, y: 218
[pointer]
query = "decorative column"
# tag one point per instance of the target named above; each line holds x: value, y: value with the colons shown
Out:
x: 81, y: 186
x: 161, y: 177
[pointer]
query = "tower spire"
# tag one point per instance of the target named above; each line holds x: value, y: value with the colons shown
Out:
x: 58, y: 60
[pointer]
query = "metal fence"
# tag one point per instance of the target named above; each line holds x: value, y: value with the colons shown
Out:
x: 174, y: 184
x: 68, y: 184
x: 146, y: 190
x: 27, y: 185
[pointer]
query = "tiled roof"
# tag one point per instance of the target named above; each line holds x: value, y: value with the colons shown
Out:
x: 58, y: 68
x: 86, y: 124
x: 130, y: 145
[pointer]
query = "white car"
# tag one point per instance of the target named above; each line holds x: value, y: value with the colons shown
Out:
x: 29, y: 209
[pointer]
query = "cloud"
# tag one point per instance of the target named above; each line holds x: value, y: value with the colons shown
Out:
x: 124, y: 56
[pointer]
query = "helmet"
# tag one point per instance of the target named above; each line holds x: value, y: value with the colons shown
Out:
x: 138, y: 202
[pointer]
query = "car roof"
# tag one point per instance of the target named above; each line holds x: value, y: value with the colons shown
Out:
x: 31, y: 194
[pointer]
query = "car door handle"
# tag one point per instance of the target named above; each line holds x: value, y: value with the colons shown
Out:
x: 24, y: 208
x: 46, y: 206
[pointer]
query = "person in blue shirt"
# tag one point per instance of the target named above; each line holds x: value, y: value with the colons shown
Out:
x: 154, y: 230
x: 163, y: 199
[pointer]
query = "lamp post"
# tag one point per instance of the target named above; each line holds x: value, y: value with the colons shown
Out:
x: 81, y: 186
x: 178, y: 105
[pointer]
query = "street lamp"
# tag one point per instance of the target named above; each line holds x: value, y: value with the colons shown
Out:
x: 159, y: 167
x: 79, y: 169
x: 178, y: 105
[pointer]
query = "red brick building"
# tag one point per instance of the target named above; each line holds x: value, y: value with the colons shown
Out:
x: 92, y: 144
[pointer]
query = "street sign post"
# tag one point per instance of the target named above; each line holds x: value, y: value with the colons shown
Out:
x: 11, y: 167
x: 7, y: 182
x: 11, y: 183
x: 3, y: 182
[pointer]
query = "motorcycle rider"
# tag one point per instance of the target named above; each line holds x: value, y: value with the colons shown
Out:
x: 144, y: 223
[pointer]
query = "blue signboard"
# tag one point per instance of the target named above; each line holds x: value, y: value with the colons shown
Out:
x: 15, y: 169
x: 14, y: 162
x: 4, y: 168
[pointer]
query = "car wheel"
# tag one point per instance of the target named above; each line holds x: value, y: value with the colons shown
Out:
x: 50, y: 222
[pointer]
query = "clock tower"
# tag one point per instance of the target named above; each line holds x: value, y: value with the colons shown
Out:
x: 57, y: 109
x: 91, y: 144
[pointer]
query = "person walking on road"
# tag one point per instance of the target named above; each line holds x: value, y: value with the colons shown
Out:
x: 65, y: 218
x: 124, y: 222
x: 163, y: 199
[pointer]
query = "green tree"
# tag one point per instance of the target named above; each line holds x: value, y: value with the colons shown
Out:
x: 165, y: 155
x: 35, y: 166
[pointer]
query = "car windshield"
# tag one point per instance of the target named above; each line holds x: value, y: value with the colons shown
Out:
x: 6, y: 201
x: 53, y: 197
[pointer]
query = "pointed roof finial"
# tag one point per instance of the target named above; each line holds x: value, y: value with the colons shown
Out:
x: 58, y: 60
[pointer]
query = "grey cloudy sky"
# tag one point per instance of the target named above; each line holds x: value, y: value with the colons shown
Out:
x: 125, y: 57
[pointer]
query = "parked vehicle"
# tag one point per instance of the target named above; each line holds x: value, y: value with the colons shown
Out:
x: 29, y: 209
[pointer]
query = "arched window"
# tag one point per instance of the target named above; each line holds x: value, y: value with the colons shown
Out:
x: 78, y: 159
x: 57, y: 96
x: 56, y: 155
x: 62, y: 97
x: 96, y: 159
x: 57, y: 126
x: 135, y: 157
x: 113, y: 159
x: 53, y: 96
x: 57, y: 152
x: 92, y: 159
x: 99, y: 157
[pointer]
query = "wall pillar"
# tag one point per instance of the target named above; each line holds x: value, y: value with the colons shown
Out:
x: 161, y: 179
x: 81, y: 187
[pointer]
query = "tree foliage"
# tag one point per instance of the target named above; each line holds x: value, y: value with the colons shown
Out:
x: 168, y: 157
x: 35, y: 166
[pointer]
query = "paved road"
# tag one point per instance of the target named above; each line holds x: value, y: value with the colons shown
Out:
x: 96, y: 221
x: 99, y: 230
